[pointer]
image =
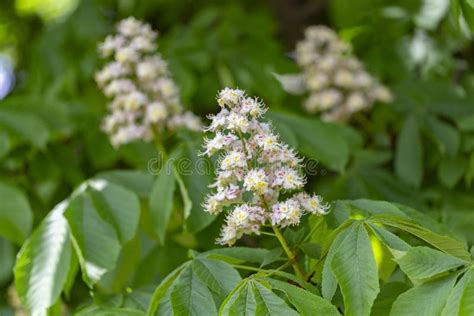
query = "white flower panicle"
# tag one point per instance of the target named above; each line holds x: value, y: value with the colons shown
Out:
x: 143, y: 97
x: 336, y: 81
x: 254, y: 170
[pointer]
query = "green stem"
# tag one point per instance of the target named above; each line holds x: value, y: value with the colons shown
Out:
x: 289, y: 253
x: 242, y: 267
x: 268, y: 234
x: 312, y: 230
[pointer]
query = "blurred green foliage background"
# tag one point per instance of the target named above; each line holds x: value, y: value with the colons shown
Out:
x: 418, y: 150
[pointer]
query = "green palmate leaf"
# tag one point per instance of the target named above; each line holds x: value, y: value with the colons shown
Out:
x: 443, y: 243
x: 190, y: 296
x: 4, y: 144
x: 329, y: 282
x: 466, y: 123
x: 466, y: 304
x: 450, y: 171
x: 116, y: 280
x: 43, y: 263
x: 425, y: 300
x: 218, y: 276
x: 251, y: 297
x: 305, y: 302
x: 409, y: 153
x: 446, y: 136
x: 452, y: 304
x: 268, y: 303
x: 311, y: 250
x: 28, y: 126
x: 118, y: 205
x: 138, y: 299
x: 7, y: 260
x: 424, y: 262
x: 240, y: 302
x: 15, y: 214
x: 356, y: 272
x: 96, y: 242
x: 160, y: 299
x: 161, y: 200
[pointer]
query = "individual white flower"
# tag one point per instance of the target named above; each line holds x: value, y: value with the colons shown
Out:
x: 111, y: 44
x: 229, y: 97
x: 228, y: 236
x: 356, y: 101
x: 344, y: 78
x: 234, y: 159
x: 143, y: 43
x: 252, y: 107
x: 256, y: 181
x: 135, y: 100
x: 130, y: 27
x: 187, y: 120
x: 127, y: 55
x: 119, y: 86
x: 312, y: 203
x: 156, y: 111
x: 382, y: 94
x: 238, y: 122
x: 268, y: 142
x: 317, y: 81
x: 150, y: 68
x: 286, y: 213
x: 288, y: 179
x: 219, y: 142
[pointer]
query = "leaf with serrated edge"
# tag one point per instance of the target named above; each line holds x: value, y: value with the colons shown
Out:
x: 356, y: 272
x: 43, y: 262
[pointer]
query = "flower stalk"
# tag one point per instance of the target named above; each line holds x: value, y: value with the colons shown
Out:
x: 291, y: 255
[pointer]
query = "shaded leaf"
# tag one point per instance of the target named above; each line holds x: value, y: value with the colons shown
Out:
x: 28, y: 126
x: 388, y: 294
x: 16, y: 216
x: 409, y: 153
x: 305, y: 302
x: 320, y: 141
x: 161, y: 200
